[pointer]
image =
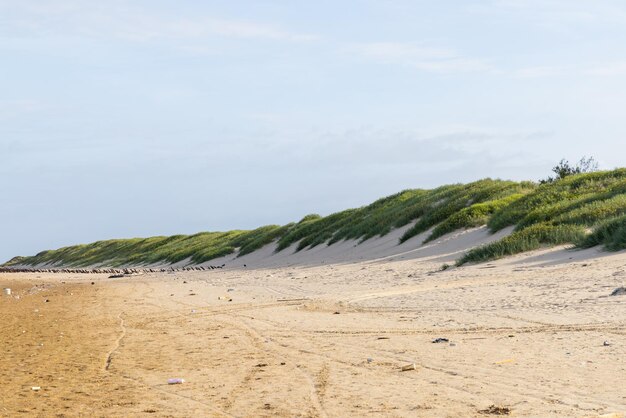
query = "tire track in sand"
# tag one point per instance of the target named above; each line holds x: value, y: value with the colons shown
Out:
x: 314, y: 393
x: 118, y: 341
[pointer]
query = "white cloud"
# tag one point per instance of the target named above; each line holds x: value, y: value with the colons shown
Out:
x: 25, y: 105
x: 608, y: 70
x: 538, y: 72
x: 559, y: 14
x: 437, y: 60
x: 19, y: 107
x: 194, y: 29
x: 243, y: 29
x: 116, y: 19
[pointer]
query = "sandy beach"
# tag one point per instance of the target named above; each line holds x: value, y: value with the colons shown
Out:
x: 525, y: 337
x: 378, y: 209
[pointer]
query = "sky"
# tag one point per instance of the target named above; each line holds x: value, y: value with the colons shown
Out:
x: 138, y: 118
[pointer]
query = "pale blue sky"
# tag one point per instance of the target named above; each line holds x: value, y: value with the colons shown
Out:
x: 139, y: 118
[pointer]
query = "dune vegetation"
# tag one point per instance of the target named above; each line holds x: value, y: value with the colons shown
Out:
x: 582, y: 209
x: 198, y: 248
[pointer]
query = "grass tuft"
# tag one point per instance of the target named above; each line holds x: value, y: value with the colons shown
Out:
x: 610, y: 233
x: 531, y: 238
x: 472, y: 216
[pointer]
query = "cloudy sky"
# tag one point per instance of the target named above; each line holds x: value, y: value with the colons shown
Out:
x: 130, y: 118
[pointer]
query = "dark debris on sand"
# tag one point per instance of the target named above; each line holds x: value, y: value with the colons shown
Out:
x: 496, y: 410
x: 620, y: 291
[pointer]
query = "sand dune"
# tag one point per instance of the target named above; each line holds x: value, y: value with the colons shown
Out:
x: 445, y: 249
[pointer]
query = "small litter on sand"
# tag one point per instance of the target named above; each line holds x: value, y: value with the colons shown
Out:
x: 620, y: 291
x: 606, y: 343
x: 175, y: 381
x: 409, y: 367
x: 496, y: 410
x: 440, y: 340
x: 226, y: 298
x: 509, y: 360
x: 35, y: 388
x: 369, y: 359
x: 7, y: 291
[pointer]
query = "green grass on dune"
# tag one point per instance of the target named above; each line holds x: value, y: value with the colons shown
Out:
x: 528, y: 239
x: 198, y: 248
x: 561, y: 192
x: 379, y: 218
x: 584, y: 209
x: 610, y: 233
x: 461, y: 198
x: 559, y: 213
x: 472, y: 216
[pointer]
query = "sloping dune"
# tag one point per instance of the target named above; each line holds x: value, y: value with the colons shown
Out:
x: 445, y: 249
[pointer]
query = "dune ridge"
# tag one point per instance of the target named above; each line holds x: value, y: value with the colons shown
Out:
x: 584, y: 210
